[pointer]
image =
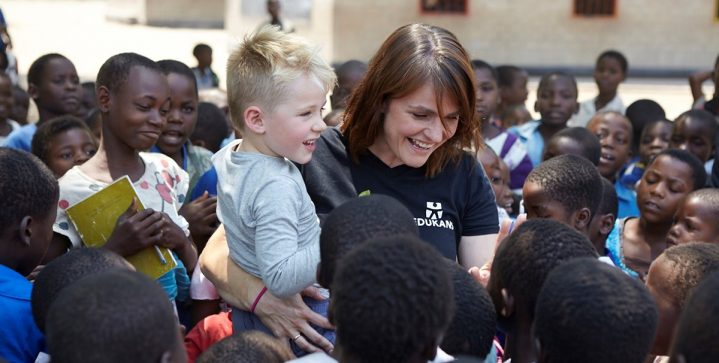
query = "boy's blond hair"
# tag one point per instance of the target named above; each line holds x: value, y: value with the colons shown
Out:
x: 260, y: 69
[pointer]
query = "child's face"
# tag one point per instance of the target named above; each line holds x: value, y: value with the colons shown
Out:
x: 70, y: 148
x: 562, y: 145
x: 346, y: 83
x: 608, y: 75
x: 694, y: 222
x: 537, y: 204
x: 136, y: 113
x: 615, y: 134
x: 293, y: 127
x: 490, y: 163
x: 693, y: 136
x: 6, y: 98
x: 182, y: 118
x: 556, y: 101
x: 20, y: 106
x: 655, y: 139
x: 505, y: 199
x: 516, y: 93
x: 664, y: 185
x: 204, y: 58
x: 487, y: 94
x: 59, y: 90
x: 661, y: 273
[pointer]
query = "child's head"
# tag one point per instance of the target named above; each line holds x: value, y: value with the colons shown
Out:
x: 641, y: 113
x: 54, y: 86
x: 357, y: 221
x: 113, y: 316
x: 134, y: 98
x: 695, y: 218
x: 30, y: 194
x: 276, y: 86
x: 667, y: 180
x: 474, y: 324
x: 573, y: 141
x: 246, y: 347
x: 610, y: 71
x: 63, y: 142
x: 182, y: 118
x: 349, y: 75
x: 211, y: 127
x: 6, y: 98
x: 671, y: 278
x: 591, y: 312
x: 515, y: 115
x: 487, y: 91
x: 523, y: 261
x: 21, y: 105
x: 65, y: 270
x: 696, y: 334
x: 505, y: 200
x: 603, y: 222
x: 655, y: 138
x: 695, y: 131
x: 615, y: 135
x: 492, y: 168
x: 89, y: 99
x: 512, y: 82
x: 203, y: 54
x: 556, y: 99
x: 566, y: 188
x: 380, y: 291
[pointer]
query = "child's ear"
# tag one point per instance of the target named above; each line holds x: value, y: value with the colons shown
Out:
x: 32, y: 91
x: 536, y: 106
x: 576, y: 107
x: 103, y: 99
x: 253, y: 119
x: 508, y: 300
x: 581, y: 219
x: 606, y: 224
x: 26, y: 226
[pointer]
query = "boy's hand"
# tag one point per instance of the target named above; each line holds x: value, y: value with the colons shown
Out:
x: 174, y: 238
x: 202, y: 217
x: 135, y: 230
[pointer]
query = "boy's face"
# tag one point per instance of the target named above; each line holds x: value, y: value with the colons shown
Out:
x: 664, y: 185
x: 661, y: 274
x: 608, y: 75
x: 516, y: 93
x: 655, y: 139
x: 182, y: 118
x: 490, y: 163
x: 293, y: 127
x: 136, y: 113
x: 693, y: 136
x: 204, y: 58
x: 487, y: 94
x: 20, y: 106
x: 694, y: 222
x: 615, y: 134
x: 537, y: 204
x: 59, y: 90
x: 562, y: 145
x: 556, y: 101
x: 69, y: 148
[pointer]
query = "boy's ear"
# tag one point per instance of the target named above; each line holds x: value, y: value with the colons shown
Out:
x: 253, y: 119
x: 581, y: 219
x: 32, y: 91
x: 606, y: 224
x: 103, y: 99
x: 508, y: 300
x: 26, y: 225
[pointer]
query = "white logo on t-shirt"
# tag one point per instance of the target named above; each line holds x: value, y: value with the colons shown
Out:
x: 434, y: 210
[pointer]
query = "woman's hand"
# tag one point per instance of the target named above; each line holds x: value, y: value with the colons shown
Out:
x: 481, y: 274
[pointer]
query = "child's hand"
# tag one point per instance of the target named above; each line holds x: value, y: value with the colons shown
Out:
x: 202, y: 217
x: 135, y: 230
x: 174, y: 238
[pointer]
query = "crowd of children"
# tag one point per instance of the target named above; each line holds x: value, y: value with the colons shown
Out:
x: 607, y: 248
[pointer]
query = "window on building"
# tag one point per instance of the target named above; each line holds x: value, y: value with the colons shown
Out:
x: 443, y: 6
x: 595, y: 7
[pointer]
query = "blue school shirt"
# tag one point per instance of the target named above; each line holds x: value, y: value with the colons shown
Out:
x: 626, y: 201
x: 20, y: 339
x: 21, y: 138
x: 529, y: 134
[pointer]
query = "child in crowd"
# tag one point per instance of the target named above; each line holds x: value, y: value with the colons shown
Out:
x: 20, y: 106
x: 696, y: 334
x: 247, y: 347
x: 556, y: 103
x: 7, y: 124
x: 504, y: 144
x: 672, y: 277
x: 573, y: 141
x: 134, y: 99
x: 586, y: 295
x: 113, y: 316
x: 520, y: 266
x: 94, y: 122
x: 614, y: 132
x: 609, y: 72
x: 508, y: 202
x: 641, y: 113
x: 695, y: 83
x: 62, y: 143
x: 270, y: 221
x: 669, y: 178
x: 512, y: 82
x: 514, y: 116
x: 88, y: 102
x: 204, y: 75
x: 55, y: 87
x: 503, y: 195
x: 349, y: 75
x: 695, y: 220
x: 602, y: 225
x: 30, y: 191
x: 696, y: 132
x: 211, y: 127
x: 566, y: 188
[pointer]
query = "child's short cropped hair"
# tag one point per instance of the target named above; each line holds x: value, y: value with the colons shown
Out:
x: 696, y: 334
x: 260, y: 69
x: 37, y: 68
x: 699, y: 174
x: 246, y: 347
x: 693, y: 262
x: 589, y: 145
x: 710, y: 198
x: 591, y: 312
x: 114, y: 72
x: 610, y: 202
x: 46, y: 131
x: 616, y: 55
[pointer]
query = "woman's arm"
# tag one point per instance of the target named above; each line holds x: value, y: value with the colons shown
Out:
x: 476, y: 250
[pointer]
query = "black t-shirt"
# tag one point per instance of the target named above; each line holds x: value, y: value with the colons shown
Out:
x: 457, y: 202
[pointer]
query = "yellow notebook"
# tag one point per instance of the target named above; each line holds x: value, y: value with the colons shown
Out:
x: 95, y: 216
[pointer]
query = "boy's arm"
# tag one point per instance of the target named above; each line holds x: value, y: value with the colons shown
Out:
x: 695, y: 83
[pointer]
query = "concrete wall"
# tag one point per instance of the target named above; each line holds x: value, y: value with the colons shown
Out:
x: 172, y: 13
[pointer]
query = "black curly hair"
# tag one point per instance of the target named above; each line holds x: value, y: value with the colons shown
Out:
x: 41, y: 141
x: 588, y: 311
x: 693, y: 262
x: 589, y: 145
x: 709, y: 198
x: 391, y: 299
x: 699, y: 174
x: 696, y: 334
x: 246, y: 347
x: 114, y: 72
